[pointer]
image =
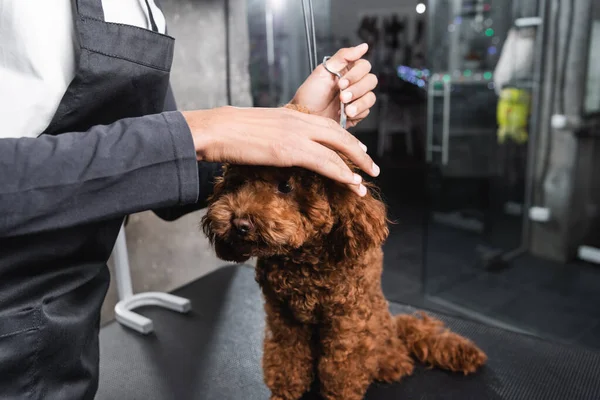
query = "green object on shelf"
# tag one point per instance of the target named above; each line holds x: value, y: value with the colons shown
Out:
x: 487, y: 75
x: 489, y: 32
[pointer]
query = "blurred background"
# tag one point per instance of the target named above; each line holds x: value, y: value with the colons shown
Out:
x: 486, y: 129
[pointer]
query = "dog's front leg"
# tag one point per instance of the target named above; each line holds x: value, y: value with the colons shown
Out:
x: 288, y: 358
x: 348, y: 361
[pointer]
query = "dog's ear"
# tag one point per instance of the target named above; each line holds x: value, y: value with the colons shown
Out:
x: 219, y: 184
x: 361, y: 223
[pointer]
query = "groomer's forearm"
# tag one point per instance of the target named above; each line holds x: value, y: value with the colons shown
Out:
x: 135, y: 164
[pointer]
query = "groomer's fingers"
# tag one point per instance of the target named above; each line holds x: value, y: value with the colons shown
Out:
x: 339, y: 139
x: 326, y: 162
x: 344, y: 58
x: 364, y: 103
x: 361, y: 190
x: 329, y: 133
x: 356, y: 73
x: 361, y: 116
x: 367, y: 84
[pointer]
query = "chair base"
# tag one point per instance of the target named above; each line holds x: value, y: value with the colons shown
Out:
x: 125, y: 316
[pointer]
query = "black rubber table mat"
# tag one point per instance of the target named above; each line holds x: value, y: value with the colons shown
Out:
x: 214, y: 352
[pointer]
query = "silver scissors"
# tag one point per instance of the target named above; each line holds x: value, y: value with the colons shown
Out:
x: 343, y: 117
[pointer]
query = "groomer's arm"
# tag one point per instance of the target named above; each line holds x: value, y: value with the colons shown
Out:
x: 136, y: 164
x: 145, y: 163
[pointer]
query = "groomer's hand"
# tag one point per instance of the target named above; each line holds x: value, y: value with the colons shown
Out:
x: 320, y: 92
x: 279, y: 137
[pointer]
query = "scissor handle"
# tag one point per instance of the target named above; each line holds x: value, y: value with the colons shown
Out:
x: 325, y: 59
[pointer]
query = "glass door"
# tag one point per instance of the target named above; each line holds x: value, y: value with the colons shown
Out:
x: 479, y: 116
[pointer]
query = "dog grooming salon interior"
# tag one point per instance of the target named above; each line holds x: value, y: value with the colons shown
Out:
x: 486, y: 129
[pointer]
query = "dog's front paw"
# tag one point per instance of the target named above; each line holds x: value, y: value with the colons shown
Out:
x: 287, y: 387
x: 395, y: 362
x: 392, y: 370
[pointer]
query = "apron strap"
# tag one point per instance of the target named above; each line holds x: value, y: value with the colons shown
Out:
x: 152, y: 22
x: 90, y: 8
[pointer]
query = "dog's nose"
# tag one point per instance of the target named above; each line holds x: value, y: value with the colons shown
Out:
x: 242, y: 226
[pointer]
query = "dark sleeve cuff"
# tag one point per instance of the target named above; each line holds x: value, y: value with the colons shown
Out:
x: 187, y: 165
x: 207, y: 172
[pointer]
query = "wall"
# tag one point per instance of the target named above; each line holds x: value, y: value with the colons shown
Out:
x: 199, y: 65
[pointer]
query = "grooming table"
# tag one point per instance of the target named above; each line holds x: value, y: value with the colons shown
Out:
x: 214, y: 352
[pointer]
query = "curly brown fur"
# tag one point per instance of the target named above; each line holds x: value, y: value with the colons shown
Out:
x: 319, y: 265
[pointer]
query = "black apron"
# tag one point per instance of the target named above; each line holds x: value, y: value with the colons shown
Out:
x: 52, y: 285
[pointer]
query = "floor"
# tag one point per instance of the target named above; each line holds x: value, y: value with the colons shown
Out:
x: 537, y: 296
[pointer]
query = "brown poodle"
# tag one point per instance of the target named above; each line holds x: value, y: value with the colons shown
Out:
x: 319, y: 265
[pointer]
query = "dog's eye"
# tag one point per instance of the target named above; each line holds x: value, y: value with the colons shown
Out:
x: 285, y: 187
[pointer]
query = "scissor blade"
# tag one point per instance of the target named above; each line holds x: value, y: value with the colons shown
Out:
x: 343, y: 115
